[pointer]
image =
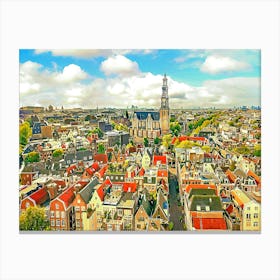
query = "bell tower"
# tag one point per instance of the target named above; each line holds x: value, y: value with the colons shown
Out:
x: 164, y: 108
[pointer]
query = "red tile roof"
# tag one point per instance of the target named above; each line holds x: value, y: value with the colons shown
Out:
x: 67, y: 196
x: 200, y: 186
x: 129, y: 187
x: 162, y: 159
x: 162, y: 173
x: 255, y: 176
x: 40, y: 196
x: 209, y: 223
x: 70, y: 169
x: 102, y: 171
x: 229, y: 209
x: 101, y: 189
x: 101, y: 158
x: 141, y: 172
x: 231, y: 176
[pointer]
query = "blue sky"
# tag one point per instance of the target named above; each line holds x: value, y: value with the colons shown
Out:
x: 219, y: 78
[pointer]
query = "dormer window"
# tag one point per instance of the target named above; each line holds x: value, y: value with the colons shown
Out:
x: 198, y: 208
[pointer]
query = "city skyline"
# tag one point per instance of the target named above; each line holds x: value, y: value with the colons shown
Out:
x: 122, y: 78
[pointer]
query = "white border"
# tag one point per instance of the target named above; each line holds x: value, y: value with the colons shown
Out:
x: 157, y: 24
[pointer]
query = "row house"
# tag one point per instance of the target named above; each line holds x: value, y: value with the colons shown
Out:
x: 249, y: 210
x: 62, y: 211
x: 81, y: 201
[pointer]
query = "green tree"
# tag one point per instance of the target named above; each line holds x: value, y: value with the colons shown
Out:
x: 146, y: 142
x: 166, y: 140
x: 232, y: 166
x: 156, y: 141
x: 172, y: 119
x: 101, y: 148
x: 257, y: 150
x: 87, y: 118
x: 170, y: 225
x: 176, y: 128
x: 25, y: 133
x: 58, y: 153
x: 32, y: 157
x: 33, y: 218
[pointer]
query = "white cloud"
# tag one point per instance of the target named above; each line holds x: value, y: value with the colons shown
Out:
x: 45, y: 87
x: 119, y: 65
x: 71, y: 73
x: 215, y: 64
x: 84, y: 53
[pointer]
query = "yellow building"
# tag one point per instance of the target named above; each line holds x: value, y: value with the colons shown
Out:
x: 249, y: 210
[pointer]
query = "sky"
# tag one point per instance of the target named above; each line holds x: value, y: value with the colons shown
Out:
x: 121, y: 78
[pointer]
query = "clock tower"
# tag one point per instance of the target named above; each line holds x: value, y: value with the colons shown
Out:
x: 164, y: 108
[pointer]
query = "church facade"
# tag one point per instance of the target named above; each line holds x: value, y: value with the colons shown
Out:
x: 152, y: 124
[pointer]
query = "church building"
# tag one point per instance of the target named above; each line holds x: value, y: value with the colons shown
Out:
x: 152, y: 124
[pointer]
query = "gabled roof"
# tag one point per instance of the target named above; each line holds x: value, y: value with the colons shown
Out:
x: 161, y: 159
x: 129, y: 187
x: 255, y: 176
x: 101, y: 191
x: 70, y: 169
x: 240, y: 197
x: 67, y: 196
x: 40, y: 196
x: 141, y: 172
x: 209, y: 223
x: 231, y: 176
x: 239, y: 173
x: 86, y: 192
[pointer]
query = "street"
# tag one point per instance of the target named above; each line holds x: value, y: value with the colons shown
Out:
x: 174, y: 210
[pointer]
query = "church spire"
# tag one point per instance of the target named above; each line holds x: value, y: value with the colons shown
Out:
x: 164, y: 96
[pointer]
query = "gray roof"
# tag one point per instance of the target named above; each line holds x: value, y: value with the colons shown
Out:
x: 201, y: 192
x: 143, y: 115
x: 84, y: 153
x: 213, y: 201
x: 86, y: 192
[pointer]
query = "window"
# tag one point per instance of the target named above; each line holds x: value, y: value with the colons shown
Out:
x: 56, y: 206
x: 139, y: 226
x: 83, y: 208
x: 249, y: 208
x: 256, y: 215
x: 63, y: 223
x: 149, y: 180
x: 78, y: 223
x: 52, y: 223
x: 198, y: 208
x: 207, y: 208
x: 52, y: 214
x: 248, y: 216
x: 120, y: 212
x: 256, y: 208
x: 85, y: 158
x: 63, y: 214
x: 57, y: 214
x: 77, y: 208
x: 27, y: 204
x: 256, y: 224
x: 57, y: 223
x: 121, y: 178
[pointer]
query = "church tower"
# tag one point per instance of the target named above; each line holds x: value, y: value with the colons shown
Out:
x: 164, y: 108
